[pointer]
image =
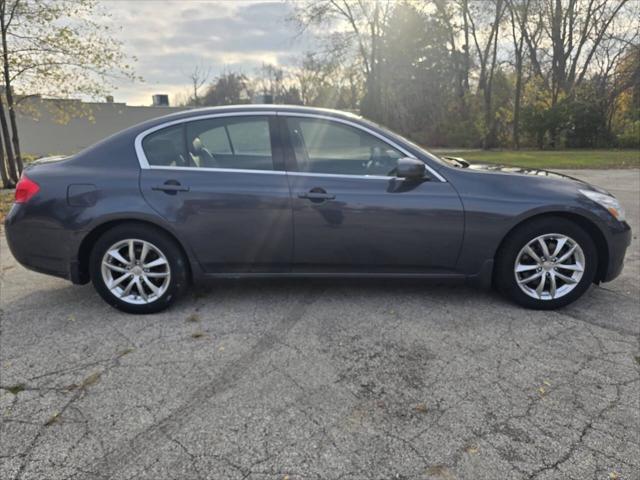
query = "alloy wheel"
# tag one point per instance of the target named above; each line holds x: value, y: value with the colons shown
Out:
x: 549, y: 266
x: 136, y: 271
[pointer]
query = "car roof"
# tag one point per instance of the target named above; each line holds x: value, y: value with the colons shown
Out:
x: 196, y: 112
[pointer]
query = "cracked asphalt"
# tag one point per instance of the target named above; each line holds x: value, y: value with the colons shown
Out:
x: 322, y: 380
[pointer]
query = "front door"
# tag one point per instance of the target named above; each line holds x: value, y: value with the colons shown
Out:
x: 219, y: 182
x: 351, y: 214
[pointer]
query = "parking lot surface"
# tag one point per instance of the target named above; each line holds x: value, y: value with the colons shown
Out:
x: 309, y: 379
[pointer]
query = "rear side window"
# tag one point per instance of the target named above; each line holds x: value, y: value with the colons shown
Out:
x: 230, y: 142
x: 216, y: 140
x: 250, y: 137
x: 165, y: 148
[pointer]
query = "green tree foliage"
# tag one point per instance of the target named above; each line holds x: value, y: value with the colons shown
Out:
x: 58, y: 49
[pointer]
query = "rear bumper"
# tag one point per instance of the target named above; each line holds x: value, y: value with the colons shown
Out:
x: 619, y: 241
x: 40, y: 247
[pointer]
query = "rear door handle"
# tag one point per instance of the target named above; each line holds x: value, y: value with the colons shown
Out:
x: 316, y: 196
x: 171, y: 187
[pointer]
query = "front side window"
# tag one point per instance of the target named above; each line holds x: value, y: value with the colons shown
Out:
x: 323, y: 146
x: 225, y: 142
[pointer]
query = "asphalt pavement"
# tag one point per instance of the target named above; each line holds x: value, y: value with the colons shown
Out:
x: 322, y: 379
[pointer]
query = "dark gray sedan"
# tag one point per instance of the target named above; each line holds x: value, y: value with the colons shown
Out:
x: 258, y: 191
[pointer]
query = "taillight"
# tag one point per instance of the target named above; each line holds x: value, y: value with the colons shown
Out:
x: 25, y: 189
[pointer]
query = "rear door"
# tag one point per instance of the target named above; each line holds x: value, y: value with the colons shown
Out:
x: 220, y: 181
x: 352, y: 215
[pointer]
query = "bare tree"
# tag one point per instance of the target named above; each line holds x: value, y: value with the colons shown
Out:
x: 487, y: 52
x: 7, y: 16
x: 269, y: 81
x: 573, y: 34
x: 449, y: 14
x: 10, y: 158
x: 519, y: 9
x: 366, y: 20
x: 199, y: 76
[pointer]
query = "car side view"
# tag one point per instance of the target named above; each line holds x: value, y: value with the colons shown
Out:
x: 255, y: 191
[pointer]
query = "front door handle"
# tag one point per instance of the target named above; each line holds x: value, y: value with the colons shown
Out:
x: 316, y: 195
x: 171, y: 187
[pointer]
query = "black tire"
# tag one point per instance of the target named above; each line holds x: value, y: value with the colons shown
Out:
x: 177, y: 263
x: 505, y: 278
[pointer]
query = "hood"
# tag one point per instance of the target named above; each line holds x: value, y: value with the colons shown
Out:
x: 521, y: 171
x: 530, y: 172
x: 493, y: 167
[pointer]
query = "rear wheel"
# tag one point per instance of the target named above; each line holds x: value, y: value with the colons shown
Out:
x: 546, y: 263
x: 138, y: 268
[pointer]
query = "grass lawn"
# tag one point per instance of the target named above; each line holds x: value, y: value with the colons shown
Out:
x: 551, y: 159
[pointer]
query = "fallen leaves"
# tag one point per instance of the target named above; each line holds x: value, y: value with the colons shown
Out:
x: 17, y: 388
x: 126, y: 351
x: 421, y: 408
x: 471, y: 449
x: 542, y: 390
x: 440, y: 471
x: 53, y: 419
x: 91, y: 380
x: 6, y: 201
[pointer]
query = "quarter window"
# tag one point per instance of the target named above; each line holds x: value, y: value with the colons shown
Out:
x: 322, y: 146
x: 165, y: 147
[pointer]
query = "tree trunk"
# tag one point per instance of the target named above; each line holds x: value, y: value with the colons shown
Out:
x: 9, y: 94
x: 558, y: 59
x: 516, y: 105
x: 11, y: 163
x: 490, y: 121
x: 6, y: 182
x: 467, y: 60
x: 518, y: 49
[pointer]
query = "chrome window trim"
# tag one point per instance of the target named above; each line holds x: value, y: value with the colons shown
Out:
x: 144, y: 163
x: 142, y: 158
x: 221, y: 170
x: 379, y: 136
x: 343, y: 175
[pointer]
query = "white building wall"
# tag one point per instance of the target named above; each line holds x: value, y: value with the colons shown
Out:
x: 52, y: 127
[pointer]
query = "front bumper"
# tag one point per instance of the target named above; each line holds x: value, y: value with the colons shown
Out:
x: 618, y: 242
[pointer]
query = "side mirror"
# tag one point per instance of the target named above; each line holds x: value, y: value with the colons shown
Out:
x: 410, y: 168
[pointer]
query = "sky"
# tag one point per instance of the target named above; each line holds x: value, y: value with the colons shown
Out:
x: 170, y: 38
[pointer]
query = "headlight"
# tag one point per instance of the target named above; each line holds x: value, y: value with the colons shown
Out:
x: 607, y: 201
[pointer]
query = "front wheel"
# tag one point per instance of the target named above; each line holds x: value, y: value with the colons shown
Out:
x: 546, y: 263
x: 137, y: 268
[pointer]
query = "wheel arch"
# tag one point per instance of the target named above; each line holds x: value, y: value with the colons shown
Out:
x: 89, y: 240
x: 585, y: 223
